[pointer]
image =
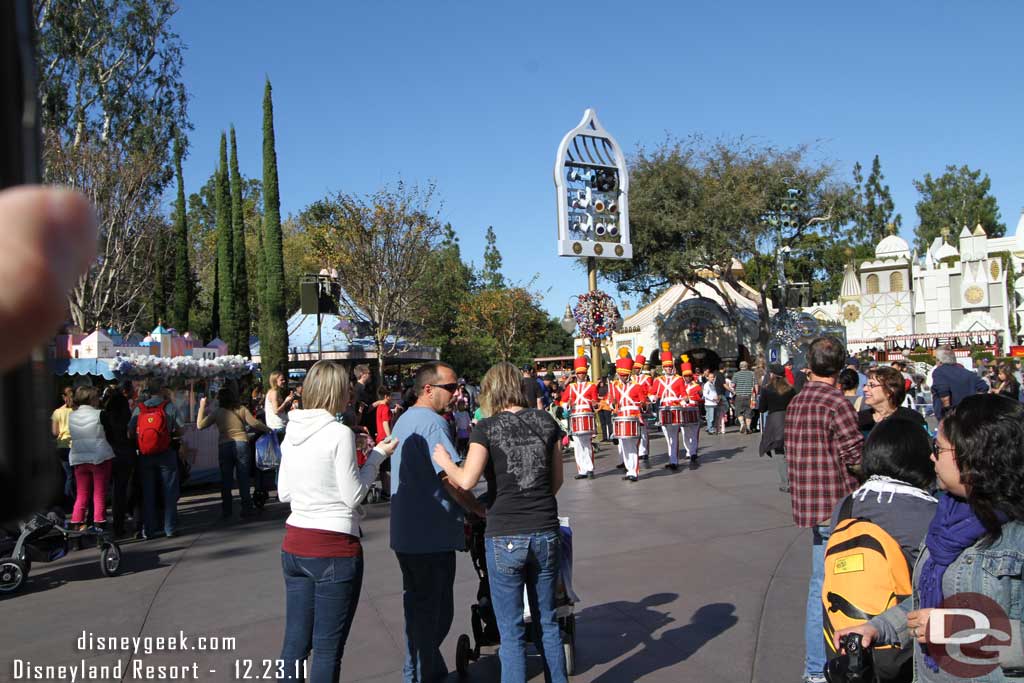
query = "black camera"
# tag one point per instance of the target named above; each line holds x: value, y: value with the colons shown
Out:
x: 854, y: 665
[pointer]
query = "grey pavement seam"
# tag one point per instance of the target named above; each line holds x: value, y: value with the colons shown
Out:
x: 764, y: 604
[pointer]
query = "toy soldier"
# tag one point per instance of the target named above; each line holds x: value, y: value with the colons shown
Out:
x: 670, y: 392
x: 642, y: 378
x: 579, y: 398
x: 628, y: 399
x: 694, y: 397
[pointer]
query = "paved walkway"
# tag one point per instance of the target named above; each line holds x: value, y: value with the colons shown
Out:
x: 687, y: 576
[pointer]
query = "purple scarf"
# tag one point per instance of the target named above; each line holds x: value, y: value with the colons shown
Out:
x: 953, y: 529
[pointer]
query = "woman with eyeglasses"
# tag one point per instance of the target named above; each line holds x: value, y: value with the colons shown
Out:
x: 522, y: 446
x: 973, y: 554
x: 883, y: 398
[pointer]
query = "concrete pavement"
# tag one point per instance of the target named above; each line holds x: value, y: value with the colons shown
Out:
x: 688, y: 576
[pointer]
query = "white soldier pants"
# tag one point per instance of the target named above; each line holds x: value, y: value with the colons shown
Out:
x: 644, y: 438
x: 671, y: 433
x: 627, y: 449
x: 583, y: 450
x: 691, y: 434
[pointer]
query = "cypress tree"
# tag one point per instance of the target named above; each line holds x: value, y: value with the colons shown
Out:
x: 241, y: 284
x: 225, y: 255
x: 215, y: 308
x: 274, y: 331
x: 182, y: 270
x: 158, y: 303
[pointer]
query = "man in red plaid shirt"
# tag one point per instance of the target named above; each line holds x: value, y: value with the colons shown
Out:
x: 822, y: 440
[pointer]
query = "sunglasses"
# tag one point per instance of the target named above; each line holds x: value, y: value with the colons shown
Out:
x: 450, y: 387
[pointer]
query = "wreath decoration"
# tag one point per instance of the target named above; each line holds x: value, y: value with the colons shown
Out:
x: 596, y: 315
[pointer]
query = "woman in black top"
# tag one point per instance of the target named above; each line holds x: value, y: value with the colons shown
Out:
x: 774, y: 399
x: 883, y: 398
x: 523, y: 541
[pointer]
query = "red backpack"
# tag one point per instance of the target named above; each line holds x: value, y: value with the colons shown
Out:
x: 152, y: 429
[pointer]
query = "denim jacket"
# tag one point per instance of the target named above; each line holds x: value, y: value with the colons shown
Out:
x: 994, y: 571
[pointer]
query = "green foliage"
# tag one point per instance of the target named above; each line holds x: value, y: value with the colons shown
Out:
x: 110, y: 70
x: 225, y: 253
x: 274, y: 327
x: 448, y: 283
x: 182, y: 271
x: 508, y: 318
x: 490, y: 275
x: 695, y: 205
x: 874, y: 208
x: 241, y: 272
x: 926, y: 358
x: 957, y: 198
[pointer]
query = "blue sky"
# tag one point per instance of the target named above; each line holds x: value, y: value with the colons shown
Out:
x: 477, y: 96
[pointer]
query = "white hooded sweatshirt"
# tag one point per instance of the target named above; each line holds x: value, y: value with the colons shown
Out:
x: 319, y: 475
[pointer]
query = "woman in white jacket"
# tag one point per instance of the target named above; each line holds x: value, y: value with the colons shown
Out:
x: 91, y: 456
x: 321, y: 554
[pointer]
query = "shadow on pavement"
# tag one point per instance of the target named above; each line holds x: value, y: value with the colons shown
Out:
x: 654, y: 653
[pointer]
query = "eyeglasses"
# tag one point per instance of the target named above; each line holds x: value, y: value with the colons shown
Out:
x: 936, y: 448
x: 872, y: 385
x: 450, y: 387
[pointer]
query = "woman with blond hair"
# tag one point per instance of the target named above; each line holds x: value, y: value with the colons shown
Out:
x: 277, y: 403
x: 321, y: 553
x: 523, y: 541
x: 91, y: 457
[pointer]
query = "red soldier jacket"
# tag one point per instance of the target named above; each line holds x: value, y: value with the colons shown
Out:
x: 580, y: 394
x: 620, y: 394
x: 695, y: 393
x: 666, y: 387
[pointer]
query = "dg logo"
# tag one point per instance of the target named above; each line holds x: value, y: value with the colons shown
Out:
x: 966, y: 635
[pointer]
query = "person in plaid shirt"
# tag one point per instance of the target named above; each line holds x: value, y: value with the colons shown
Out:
x: 822, y: 441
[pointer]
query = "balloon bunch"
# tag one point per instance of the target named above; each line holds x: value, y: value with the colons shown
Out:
x: 185, y: 367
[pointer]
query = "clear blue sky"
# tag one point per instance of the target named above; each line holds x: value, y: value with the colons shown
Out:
x: 477, y: 96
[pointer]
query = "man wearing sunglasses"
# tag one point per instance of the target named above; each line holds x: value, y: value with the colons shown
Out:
x: 426, y: 522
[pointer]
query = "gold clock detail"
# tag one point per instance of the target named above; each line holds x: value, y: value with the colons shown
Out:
x: 974, y: 294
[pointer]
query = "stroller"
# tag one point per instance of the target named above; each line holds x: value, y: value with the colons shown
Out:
x: 43, y: 538
x: 482, y: 618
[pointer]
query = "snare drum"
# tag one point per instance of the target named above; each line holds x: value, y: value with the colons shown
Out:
x: 626, y: 426
x: 689, y: 415
x: 582, y: 423
x: 669, y: 416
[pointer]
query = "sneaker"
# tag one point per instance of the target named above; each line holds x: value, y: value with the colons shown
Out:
x: 815, y: 679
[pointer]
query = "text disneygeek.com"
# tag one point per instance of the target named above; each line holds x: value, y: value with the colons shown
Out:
x: 136, y: 667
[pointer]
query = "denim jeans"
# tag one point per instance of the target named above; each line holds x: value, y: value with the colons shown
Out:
x: 320, y: 604
x: 162, y: 468
x: 710, y: 413
x: 429, y: 603
x: 814, y: 664
x: 234, y: 456
x: 529, y: 560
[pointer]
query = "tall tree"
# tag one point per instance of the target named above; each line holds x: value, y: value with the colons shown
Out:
x: 390, y: 234
x: 449, y: 281
x: 158, y: 293
x: 874, y: 209
x: 215, y: 306
x: 182, y: 269
x: 225, y: 252
x: 274, y: 330
x: 241, y: 285
x: 508, y: 317
x: 491, y: 275
x: 957, y: 198
x: 696, y: 205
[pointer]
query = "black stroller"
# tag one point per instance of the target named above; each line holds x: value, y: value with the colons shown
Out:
x: 43, y: 538
x: 482, y: 618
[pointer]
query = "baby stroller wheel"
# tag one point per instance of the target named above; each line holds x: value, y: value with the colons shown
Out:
x: 463, y: 653
x: 12, y: 574
x: 110, y: 559
x: 25, y: 559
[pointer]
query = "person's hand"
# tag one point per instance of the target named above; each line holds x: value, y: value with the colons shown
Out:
x: 388, y: 446
x: 868, y: 634
x: 48, y: 239
x: 441, y: 456
x: 202, y: 402
x: 917, y: 624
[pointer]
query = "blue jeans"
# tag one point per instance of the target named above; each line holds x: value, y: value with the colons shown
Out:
x: 234, y: 455
x: 710, y: 413
x: 429, y: 603
x: 530, y: 560
x: 814, y: 664
x: 320, y: 604
x: 161, y: 468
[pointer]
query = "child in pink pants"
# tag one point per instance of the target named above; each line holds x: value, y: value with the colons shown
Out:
x: 91, y: 480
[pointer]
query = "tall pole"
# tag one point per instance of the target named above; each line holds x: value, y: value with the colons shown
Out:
x: 595, y: 344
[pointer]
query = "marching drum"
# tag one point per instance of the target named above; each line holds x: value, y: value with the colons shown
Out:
x: 669, y: 416
x: 581, y: 422
x: 689, y: 415
x: 626, y: 424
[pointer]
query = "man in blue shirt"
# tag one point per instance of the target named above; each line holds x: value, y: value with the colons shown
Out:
x: 159, y: 468
x: 951, y: 382
x: 426, y: 523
